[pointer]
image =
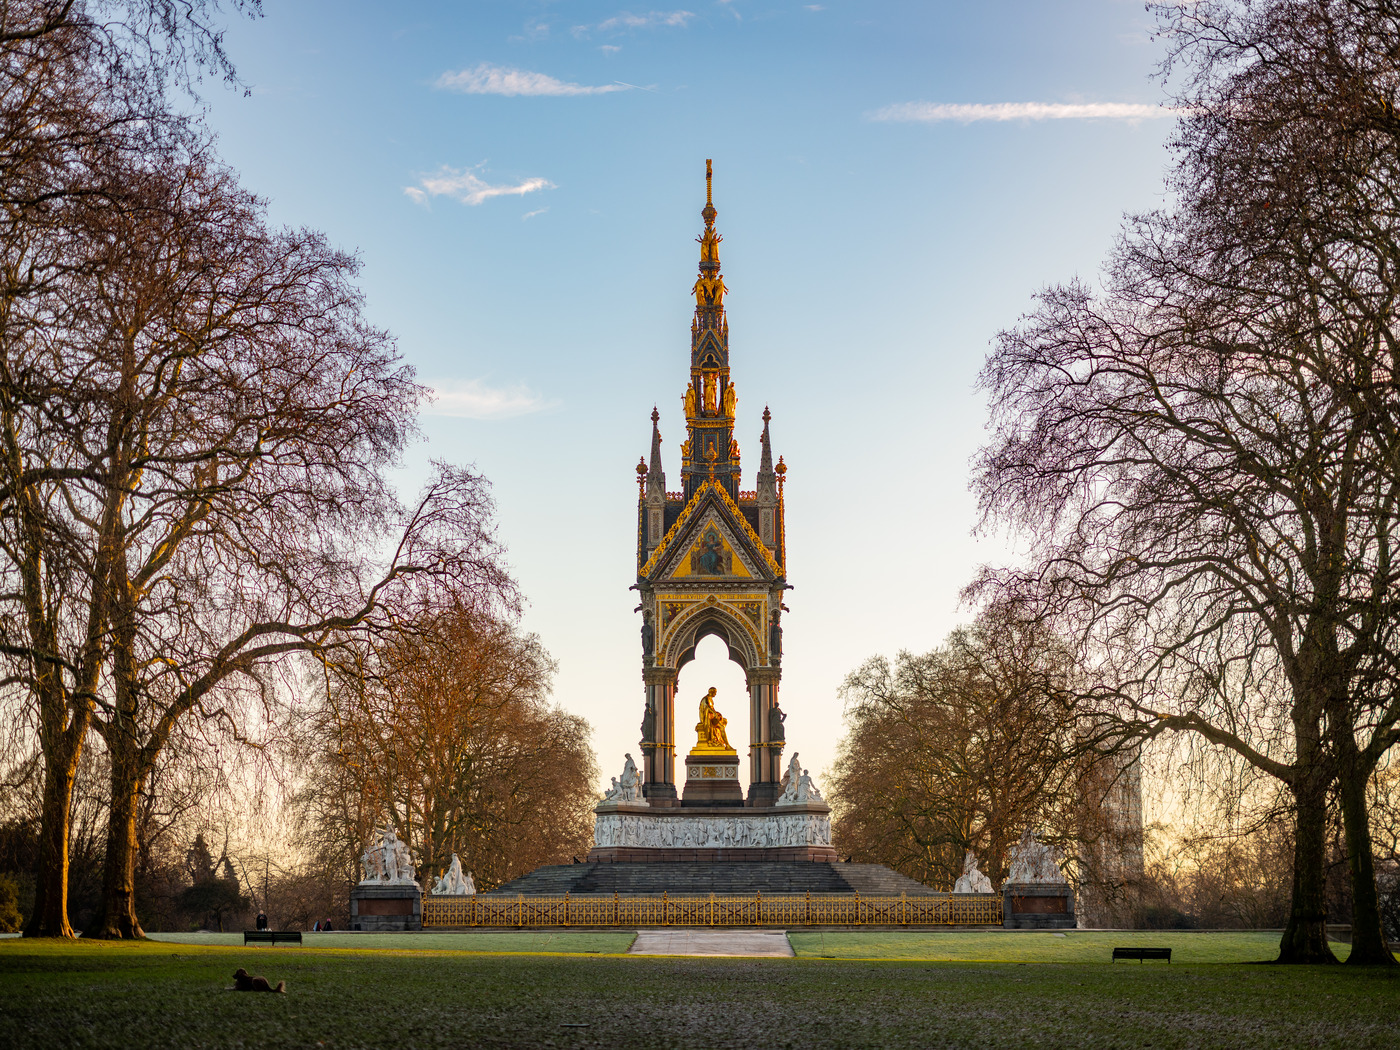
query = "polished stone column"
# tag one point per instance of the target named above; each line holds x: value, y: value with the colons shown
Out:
x: 659, y: 754
x: 765, y: 756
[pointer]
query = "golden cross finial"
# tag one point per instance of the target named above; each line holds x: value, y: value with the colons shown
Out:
x: 709, y: 174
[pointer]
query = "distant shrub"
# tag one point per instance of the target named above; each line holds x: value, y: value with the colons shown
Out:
x: 10, y: 918
x: 1166, y: 919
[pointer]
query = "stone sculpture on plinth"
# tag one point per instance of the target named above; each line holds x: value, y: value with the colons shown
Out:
x: 1034, y: 862
x: 1036, y: 894
x: 712, y: 767
x: 388, y: 896
x: 387, y: 861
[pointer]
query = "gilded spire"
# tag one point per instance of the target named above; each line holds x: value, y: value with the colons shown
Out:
x: 709, y: 451
x: 709, y: 288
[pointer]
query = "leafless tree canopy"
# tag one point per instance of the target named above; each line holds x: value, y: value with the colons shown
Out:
x: 1205, y: 450
x: 195, y: 422
x: 445, y: 731
x: 960, y: 749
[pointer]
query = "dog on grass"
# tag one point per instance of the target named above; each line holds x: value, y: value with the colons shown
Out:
x: 243, y: 983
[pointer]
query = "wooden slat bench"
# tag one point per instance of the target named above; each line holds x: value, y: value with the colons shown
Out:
x: 271, y: 936
x: 1141, y: 954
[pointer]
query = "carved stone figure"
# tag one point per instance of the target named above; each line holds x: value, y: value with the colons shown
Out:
x: 971, y: 880
x: 775, y: 635
x: 453, y: 881
x: 798, y: 786
x: 403, y: 862
x: 1033, y: 862
x: 710, y: 406
x: 649, y: 724
x: 689, y: 412
x: 648, y: 634
x: 791, y: 777
x: 629, y: 787
x: 709, y: 731
x: 776, y: 718
x: 387, y: 859
x: 731, y: 400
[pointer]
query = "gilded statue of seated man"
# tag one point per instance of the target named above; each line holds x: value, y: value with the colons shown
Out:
x: 709, y: 731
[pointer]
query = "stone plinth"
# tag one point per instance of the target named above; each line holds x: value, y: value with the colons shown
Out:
x: 1037, y: 906
x: 623, y: 833
x: 712, y: 779
x: 386, y: 907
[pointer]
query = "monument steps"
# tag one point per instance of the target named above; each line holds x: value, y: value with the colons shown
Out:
x: 726, y: 879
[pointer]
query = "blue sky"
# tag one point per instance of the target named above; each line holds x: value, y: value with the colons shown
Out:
x: 523, y: 182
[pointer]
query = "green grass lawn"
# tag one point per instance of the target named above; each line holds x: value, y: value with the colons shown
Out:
x: 571, y: 942
x: 166, y: 994
x: 1014, y: 946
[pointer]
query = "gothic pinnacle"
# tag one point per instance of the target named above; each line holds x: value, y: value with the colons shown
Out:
x: 656, y: 477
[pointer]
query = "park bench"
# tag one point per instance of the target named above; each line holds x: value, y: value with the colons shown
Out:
x: 1142, y: 953
x: 272, y: 936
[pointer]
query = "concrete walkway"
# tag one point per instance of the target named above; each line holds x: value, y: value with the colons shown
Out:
x: 750, y: 943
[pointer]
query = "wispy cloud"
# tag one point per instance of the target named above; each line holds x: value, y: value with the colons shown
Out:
x: 475, y: 399
x: 487, y: 79
x: 627, y: 20
x: 650, y: 20
x: 532, y: 214
x: 469, y: 188
x: 966, y: 113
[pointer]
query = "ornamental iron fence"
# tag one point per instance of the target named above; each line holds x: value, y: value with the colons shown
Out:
x: 939, y: 909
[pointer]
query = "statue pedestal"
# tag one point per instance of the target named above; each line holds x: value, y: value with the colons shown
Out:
x: 1037, y: 906
x: 386, y: 907
x: 712, y: 779
x: 631, y: 834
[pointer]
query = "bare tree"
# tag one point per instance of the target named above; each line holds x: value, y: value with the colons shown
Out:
x: 444, y: 730
x: 1204, y: 451
x: 1289, y: 164
x: 80, y: 93
x: 959, y: 749
x: 213, y: 417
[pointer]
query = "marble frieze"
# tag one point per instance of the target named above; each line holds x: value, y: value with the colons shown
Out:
x: 670, y: 830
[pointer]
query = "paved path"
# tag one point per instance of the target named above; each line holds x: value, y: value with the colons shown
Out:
x: 712, y: 942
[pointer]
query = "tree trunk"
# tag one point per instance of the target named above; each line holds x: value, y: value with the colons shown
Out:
x: 50, y: 918
x: 1305, y: 936
x: 1368, y: 943
x: 116, y: 918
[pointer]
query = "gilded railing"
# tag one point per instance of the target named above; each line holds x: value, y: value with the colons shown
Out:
x: 939, y: 909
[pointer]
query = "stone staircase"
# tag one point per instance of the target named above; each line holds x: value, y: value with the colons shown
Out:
x: 738, y: 879
x: 876, y: 880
